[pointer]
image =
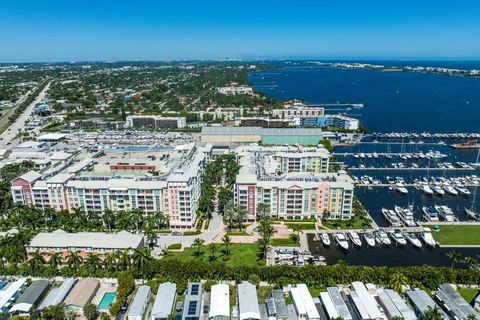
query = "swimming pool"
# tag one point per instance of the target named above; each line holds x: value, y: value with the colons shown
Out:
x: 107, y: 300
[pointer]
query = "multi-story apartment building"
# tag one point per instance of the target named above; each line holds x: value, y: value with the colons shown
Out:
x: 174, y: 192
x: 155, y: 122
x: 234, y: 89
x: 295, y: 112
x: 263, y: 122
x: 303, y: 189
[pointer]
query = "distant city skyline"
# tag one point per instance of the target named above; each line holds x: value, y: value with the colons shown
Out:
x: 53, y: 31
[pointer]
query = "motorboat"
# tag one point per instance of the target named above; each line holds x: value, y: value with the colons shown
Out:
x: 391, y: 217
x: 430, y: 214
x: 401, y: 188
x: 450, y: 190
x: 426, y: 188
x: 341, y: 241
x: 369, y: 239
x: 382, y: 238
x: 406, y: 216
x: 413, y: 239
x: 462, y: 190
x: 472, y: 214
x: 325, y: 239
x: 427, y: 237
x: 390, y: 180
x: 438, y: 189
x: 355, y: 238
x: 445, y: 213
x: 398, y: 237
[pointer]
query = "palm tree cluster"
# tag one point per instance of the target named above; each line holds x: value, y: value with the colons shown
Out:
x: 30, y: 217
x: 266, y: 232
x: 469, y: 261
x: 234, y: 216
x: 218, y: 180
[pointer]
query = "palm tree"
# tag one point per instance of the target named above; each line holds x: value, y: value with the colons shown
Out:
x: 213, y: 250
x: 124, y: 259
x: 55, y: 259
x: 471, y: 317
x: 229, y: 215
x: 433, y: 313
x: 74, y: 260
x: 136, y: 216
x: 93, y: 262
x: 36, y: 261
x: 240, y: 215
x: 398, y: 281
x: 108, y: 218
x: 455, y: 257
x: 471, y: 262
x: 109, y: 262
x: 141, y: 260
x: 297, y: 228
x: 198, y: 243
x: 262, y: 209
x: 227, y: 241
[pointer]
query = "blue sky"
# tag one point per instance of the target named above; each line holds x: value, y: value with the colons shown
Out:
x: 161, y: 30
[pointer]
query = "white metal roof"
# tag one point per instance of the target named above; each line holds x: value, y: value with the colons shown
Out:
x: 164, y: 301
x: 329, y: 305
x: 140, y: 301
x: 219, y: 301
x: 9, y: 291
x: 367, y: 300
x: 247, y: 301
x: 57, y: 295
x: 30, y: 176
x: 302, y: 296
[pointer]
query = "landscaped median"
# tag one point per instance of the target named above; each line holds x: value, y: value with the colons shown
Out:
x: 282, y: 242
x: 457, y: 234
x: 300, y: 225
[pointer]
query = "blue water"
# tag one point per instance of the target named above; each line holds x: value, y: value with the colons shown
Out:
x: 394, y: 101
x: 107, y: 300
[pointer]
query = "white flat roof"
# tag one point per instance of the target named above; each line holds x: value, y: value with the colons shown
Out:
x: 329, y: 305
x: 219, y: 301
x: 52, y: 136
x: 367, y: 300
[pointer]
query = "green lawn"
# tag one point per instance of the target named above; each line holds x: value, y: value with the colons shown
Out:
x: 241, y: 254
x: 305, y: 226
x: 468, y: 294
x: 237, y: 233
x: 355, y: 223
x: 191, y: 233
x: 282, y: 242
x: 175, y: 246
x: 457, y: 234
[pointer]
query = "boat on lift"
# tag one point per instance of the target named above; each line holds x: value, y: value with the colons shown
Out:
x: 325, y: 239
x: 430, y: 214
x: 369, y: 239
x: 413, y: 239
x: 398, y: 237
x: 341, y: 241
x: 355, y: 238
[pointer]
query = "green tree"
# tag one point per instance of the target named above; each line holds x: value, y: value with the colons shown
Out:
x: 90, y: 311
x: 398, y: 281
x: 55, y: 312
x: 212, y: 249
x: 433, y: 313
x: 227, y: 241
x: 455, y: 257
x: 74, y: 260
x: 37, y: 261
x: 199, y: 244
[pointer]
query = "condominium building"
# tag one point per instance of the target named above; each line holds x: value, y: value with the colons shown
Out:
x: 174, y: 191
x: 315, y: 117
x: 294, y: 112
x: 233, y: 90
x: 155, y: 122
x: 263, y: 122
x: 294, y: 183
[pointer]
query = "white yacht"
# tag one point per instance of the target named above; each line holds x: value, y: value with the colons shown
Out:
x: 462, y: 190
x: 428, y: 238
x: 369, y: 239
x: 355, y: 238
x: 341, y: 241
x: 398, y: 237
x: 391, y: 217
x: 430, y: 214
x: 450, y: 190
x: 445, y: 213
x: 426, y: 188
x: 414, y: 241
x: 401, y: 188
x: 438, y: 189
x: 382, y: 237
x: 406, y: 215
x: 325, y: 239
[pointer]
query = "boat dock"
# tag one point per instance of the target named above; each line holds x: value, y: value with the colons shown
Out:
x: 409, y: 169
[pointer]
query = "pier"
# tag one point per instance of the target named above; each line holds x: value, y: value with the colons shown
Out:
x: 409, y: 169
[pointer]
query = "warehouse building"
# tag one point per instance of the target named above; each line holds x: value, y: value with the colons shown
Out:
x: 266, y: 136
x: 164, y: 301
x: 30, y: 298
x: 139, y: 304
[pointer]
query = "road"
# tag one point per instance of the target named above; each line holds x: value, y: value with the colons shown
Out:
x: 164, y: 241
x: 7, y: 114
x: 9, y: 134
